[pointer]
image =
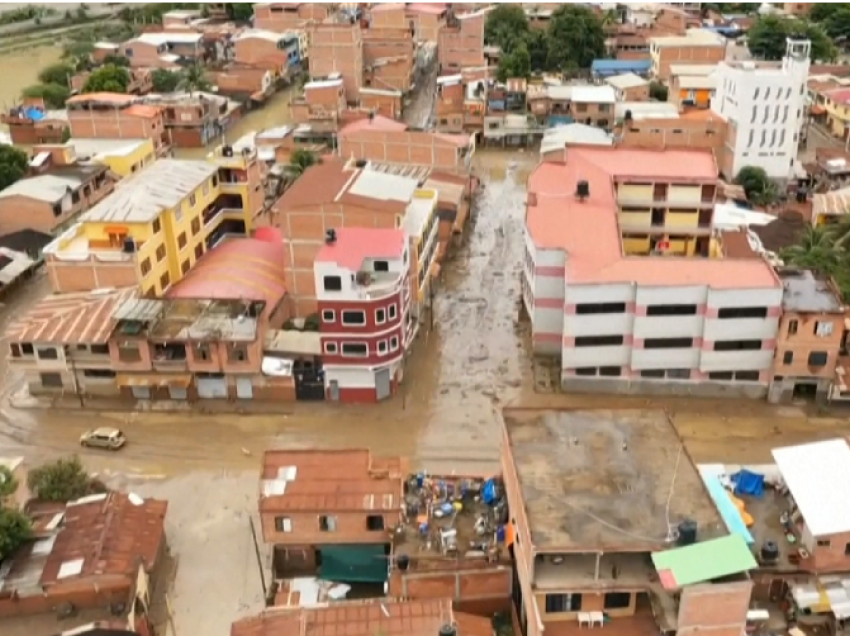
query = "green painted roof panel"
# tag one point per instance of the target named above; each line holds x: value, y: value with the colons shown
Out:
x: 703, y: 561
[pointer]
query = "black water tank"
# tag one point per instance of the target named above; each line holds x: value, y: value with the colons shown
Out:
x: 330, y: 236
x: 769, y: 551
x: 802, y: 195
x: 448, y: 630
x: 129, y: 245
x: 360, y: 163
x: 628, y: 116
x: 582, y: 189
x: 403, y: 562
x: 687, y: 532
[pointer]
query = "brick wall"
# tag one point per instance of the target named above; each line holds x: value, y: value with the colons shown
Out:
x: 714, y: 609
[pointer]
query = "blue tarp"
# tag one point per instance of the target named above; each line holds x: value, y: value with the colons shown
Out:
x: 731, y: 515
x: 607, y: 68
x: 489, y: 494
x: 747, y: 483
x: 35, y: 114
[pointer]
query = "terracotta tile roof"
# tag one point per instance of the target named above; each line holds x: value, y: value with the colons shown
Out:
x: 355, y: 244
x: 110, y: 534
x: 377, y: 123
x: 588, y: 230
x: 320, y: 184
x: 248, y: 269
x: 352, y: 618
x: 113, y: 98
x: 330, y: 481
x: 839, y: 95
x: 143, y: 110
x: 79, y: 318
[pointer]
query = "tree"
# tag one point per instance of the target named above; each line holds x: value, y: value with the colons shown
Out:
x: 14, y: 164
x: 56, y: 74
x: 658, y: 91
x: 506, y: 27
x: 54, y: 95
x: 194, y: 78
x: 816, y: 250
x: 78, y: 54
x: 537, y: 49
x: 63, y: 480
x: 516, y: 64
x: 15, y: 530
x: 837, y: 26
x: 300, y: 160
x: 117, y: 60
x: 766, y: 38
x: 8, y: 483
x: 755, y: 182
x: 165, y: 81
x: 823, y: 11
x: 108, y: 79
x: 574, y: 38
x: 239, y: 11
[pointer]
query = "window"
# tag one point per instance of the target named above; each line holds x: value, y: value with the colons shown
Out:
x: 668, y: 343
x: 392, y: 311
x: 330, y: 347
x: 192, y: 200
x: 601, y: 308
x: 157, y: 226
x: 237, y: 353
x: 328, y: 315
x: 15, y: 350
x: 788, y: 357
x: 160, y: 253
x: 598, y: 341
x: 50, y: 353
x: 394, y: 343
x: 164, y: 281
x: 823, y: 543
x: 99, y: 373
x: 671, y: 310
x: 100, y: 349
x: 199, y: 250
x: 145, y: 267
x: 382, y: 347
x: 586, y: 371
x: 847, y: 549
x: 617, y: 600
x: 129, y: 352
x: 355, y: 349
x: 185, y: 266
x: 327, y: 523
x: 737, y: 345
x: 747, y: 376
x: 181, y: 240
x: 721, y: 375
x: 823, y: 329
x: 196, y: 226
x: 374, y: 523
x: 51, y: 380
x: 350, y: 317
x: 283, y: 524
x: 742, y: 312
x: 382, y: 266
x: 380, y: 316
x: 652, y: 373
x: 27, y: 349
x: 201, y: 351
x: 816, y: 358
x: 792, y: 327
x: 332, y: 283
x: 556, y: 603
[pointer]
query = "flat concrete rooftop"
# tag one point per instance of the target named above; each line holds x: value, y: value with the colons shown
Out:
x: 607, y: 480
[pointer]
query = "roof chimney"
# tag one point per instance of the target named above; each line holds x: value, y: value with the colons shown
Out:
x: 582, y: 190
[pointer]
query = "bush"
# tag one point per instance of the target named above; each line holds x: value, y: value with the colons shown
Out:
x: 62, y: 480
x: 15, y: 530
x: 658, y: 91
x: 54, y: 95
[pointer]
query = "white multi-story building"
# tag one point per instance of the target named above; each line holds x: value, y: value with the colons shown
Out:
x: 623, y: 313
x: 765, y: 107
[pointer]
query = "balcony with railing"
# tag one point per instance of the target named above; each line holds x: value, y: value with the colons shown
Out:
x: 74, y: 245
x: 371, y: 285
x: 168, y: 357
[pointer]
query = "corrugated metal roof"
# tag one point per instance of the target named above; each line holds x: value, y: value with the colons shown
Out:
x: 626, y: 80
x: 143, y: 198
x: 12, y: 265
x: 46, y: 187
x: 384, y: 186
x: 594, y: 94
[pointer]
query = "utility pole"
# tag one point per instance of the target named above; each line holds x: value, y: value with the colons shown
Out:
x: 259, y: 558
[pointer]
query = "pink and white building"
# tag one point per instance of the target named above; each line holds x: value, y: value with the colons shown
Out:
x: 363, y: 293
x: 606, y: 293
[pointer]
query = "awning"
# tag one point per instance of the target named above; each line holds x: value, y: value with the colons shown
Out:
x: 181, y: 380
x: 367, y: 563
x: 703, y: 561
x: 817, y: 109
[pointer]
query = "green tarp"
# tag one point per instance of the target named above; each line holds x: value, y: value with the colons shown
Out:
x: 354, y: 563
x: 703, y: 561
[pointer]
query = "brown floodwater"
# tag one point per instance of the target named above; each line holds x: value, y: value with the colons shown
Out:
x: 20, y: 69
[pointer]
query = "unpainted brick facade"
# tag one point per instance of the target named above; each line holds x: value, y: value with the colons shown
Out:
x: 338, y: 48
x: 718, y: 609
x: 462, y: 44
x: 412, y: 147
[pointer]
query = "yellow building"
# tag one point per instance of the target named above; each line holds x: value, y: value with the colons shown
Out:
x: 157, y: 224
x: 122, y: 156
x: 422, y: 225
x: 837, y: 105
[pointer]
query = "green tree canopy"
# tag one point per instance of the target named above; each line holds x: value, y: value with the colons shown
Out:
x: 194, y: 78
x: 766, y: 38
x: 62, y: 480
x: 538, y: 50
x: 14, y: 164
x: 165, y: 81
x: 8, y: 483
x: 516, y: 64
x: 822, y: 11
x: 15, y: 530
x: 108, y: 79
x: 506, y: 27
x: 54, y: 95
x: 117, y: 60
x: 658, y: 91
x: 300, y: 160
x: 574, y: 38
x: 837, y: 26
x: 56, y: 74
x: 757, y: 185
x: 240, y: 11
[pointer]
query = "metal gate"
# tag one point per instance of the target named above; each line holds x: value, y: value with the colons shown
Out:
x: 309, y: 382
x: 211, y: 388
x: 244, y: 388
x: 141, y: 392
x: 382, y: 384
x: 178, y: 393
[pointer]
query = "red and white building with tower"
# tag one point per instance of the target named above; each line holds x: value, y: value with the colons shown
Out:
x: 364, y: 301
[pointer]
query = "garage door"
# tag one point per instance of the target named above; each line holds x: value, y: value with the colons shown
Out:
x: 141, y: 392
x: 177, y: 393
x: 212, y: 388
x: 244, y: 388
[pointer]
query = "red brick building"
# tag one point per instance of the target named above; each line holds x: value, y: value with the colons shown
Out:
x: 461, y: 42
x: 117, y: 116
x: 283, y: 16
x: 338, y: 49
x: 363, y: 294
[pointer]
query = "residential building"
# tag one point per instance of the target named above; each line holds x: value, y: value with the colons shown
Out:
x: 382, y: 102
x: 810, y: 336
x: 450, y: 104
x: 249, y: 83
x: 103, y: 555
x: 629, y: 87
x: 322, y: 100
x: 511, y: 130
x: 31, y: 123
x: 363, y: 281
x: 179, y: 18
x: 336, y: 50
x: 421, y: 225
x: 313, y: 526
x: 454, y: 194
x: 797, y: 8
x: 618, y: 278
x: 141, y: 81
x: 195, y: 119
x: 692, y: 85
x: 571, y: 569
x: 427, y: 20
x: 390, y: 142
x: 156, y: 226
x: 702, y: 129
x: 837, y: 104
x: 830, y: 169
x: 765, y: 108
x: 284, y: 16
x: 593, y: 105
x: 461, y: 41
x: 830, y: 207
x: 600, y: 69
x: 556, y: 140
x: 165, y: 49
x: 48, y: 202
x: 122, y: 156
x: 255, y: 46
x: 117, y: 116
x: 698, y: 46
x: 15, y: 268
